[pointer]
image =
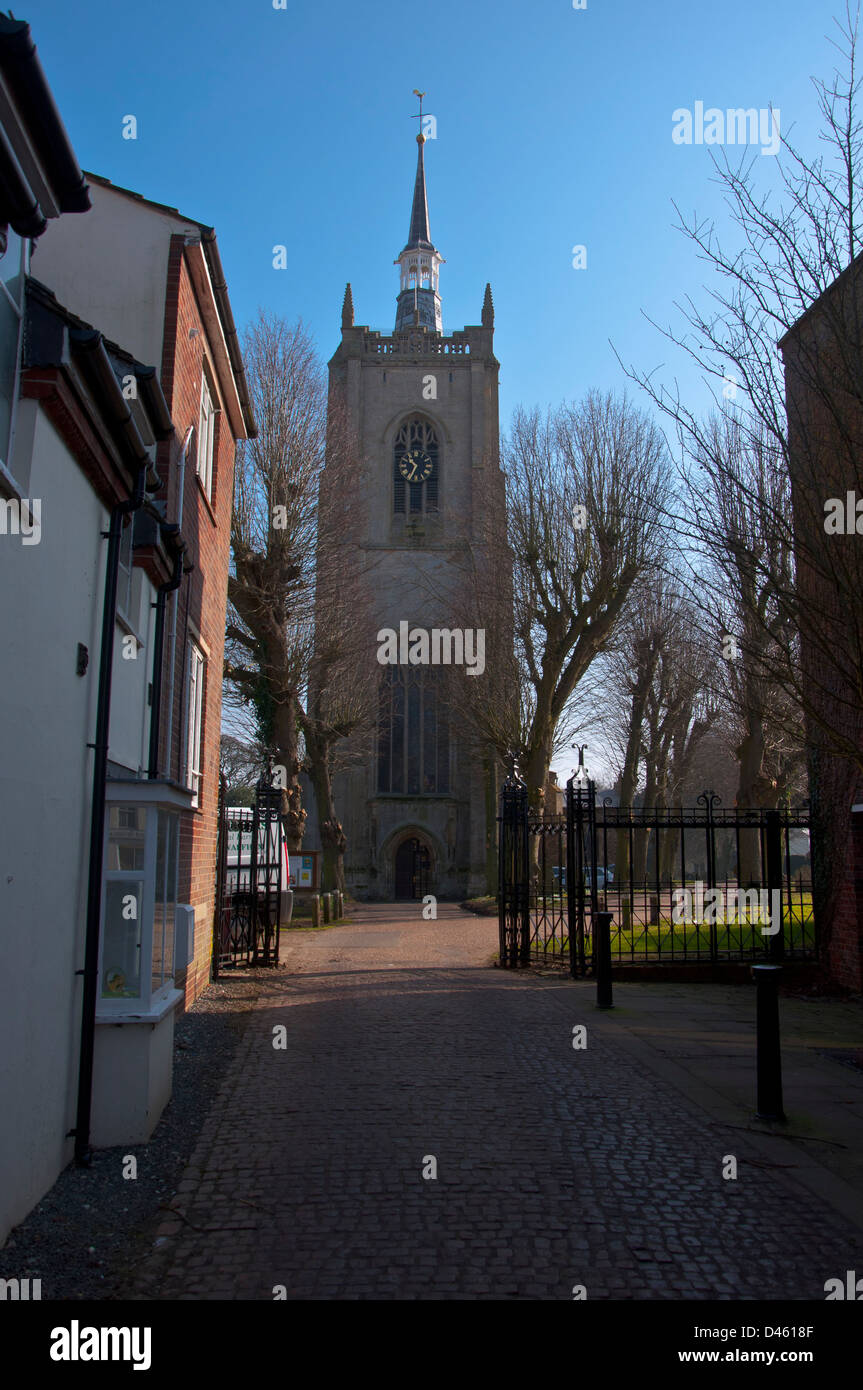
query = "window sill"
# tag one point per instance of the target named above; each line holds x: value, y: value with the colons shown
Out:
x: 160, y: 1007
x: 158, y: 791
x: 207, y: 503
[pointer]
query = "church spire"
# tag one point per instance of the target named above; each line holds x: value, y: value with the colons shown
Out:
x: 419, y: 301
x: 419, y: 234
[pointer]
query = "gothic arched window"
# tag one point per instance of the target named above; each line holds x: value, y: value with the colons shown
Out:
x: 413, y: 733
x: 416, y: 465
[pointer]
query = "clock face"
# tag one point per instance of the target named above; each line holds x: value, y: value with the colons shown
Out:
x: 416, y: 465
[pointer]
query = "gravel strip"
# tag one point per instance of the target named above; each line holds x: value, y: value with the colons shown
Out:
x: 86, y: 1236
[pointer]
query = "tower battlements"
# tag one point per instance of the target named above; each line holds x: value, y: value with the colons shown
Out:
x: 416, y: 344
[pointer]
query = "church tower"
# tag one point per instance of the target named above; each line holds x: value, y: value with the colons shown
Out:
x: 418, y: 806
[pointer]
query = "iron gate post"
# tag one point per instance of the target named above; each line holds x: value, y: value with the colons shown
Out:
x: 602, y: 947
x: 709, y: 797
x: 571, y: 905
x: 591, y: 834
x: 221, y: 873
x: 513, y: 872
x: 773, y: 820
x: 579, y: 877
x: 769, y: 1051
x: 523, y: 843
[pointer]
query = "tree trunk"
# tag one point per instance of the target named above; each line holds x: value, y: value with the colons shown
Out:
x: 629, y: 776
x: 287, y: 756
x: 641, y: 838
x: 536, y: 776
x: 333, y: 839
x: 754, y: 791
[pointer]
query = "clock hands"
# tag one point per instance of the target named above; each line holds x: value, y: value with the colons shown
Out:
x: 415, y: 459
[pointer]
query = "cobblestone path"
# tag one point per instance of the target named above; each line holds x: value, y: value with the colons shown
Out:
x: 556, y: 1167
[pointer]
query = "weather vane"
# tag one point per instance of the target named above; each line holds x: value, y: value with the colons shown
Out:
x: 420, y: 116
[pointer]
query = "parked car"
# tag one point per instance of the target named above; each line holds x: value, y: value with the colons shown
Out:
x: 604, y: 876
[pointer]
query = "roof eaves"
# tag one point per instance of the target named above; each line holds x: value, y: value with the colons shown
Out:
x: 49, y: 155
x: 220, y: 293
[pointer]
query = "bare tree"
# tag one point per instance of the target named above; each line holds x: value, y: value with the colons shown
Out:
x: 270, y: 587
x: 242, y: 765
x: 658, y: 707
x: 738, y: 487
x: 793, y: 419
x: 586, y: 488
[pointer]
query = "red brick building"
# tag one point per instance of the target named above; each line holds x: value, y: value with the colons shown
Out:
x: 153, y: 280
x: 823, y: 357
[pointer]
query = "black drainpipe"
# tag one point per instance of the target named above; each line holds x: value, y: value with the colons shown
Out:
x: 161, y: 602
x: 88, y: 347
x: 97, y: 824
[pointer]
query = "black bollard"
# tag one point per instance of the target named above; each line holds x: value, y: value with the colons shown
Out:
x: 604, y: 996
x: 769, y: 1051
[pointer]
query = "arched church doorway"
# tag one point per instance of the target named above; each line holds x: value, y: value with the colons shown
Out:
x: 411, y: 864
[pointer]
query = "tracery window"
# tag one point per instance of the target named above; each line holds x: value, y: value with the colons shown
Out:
x: 413, y: 732
x: 422, y: 495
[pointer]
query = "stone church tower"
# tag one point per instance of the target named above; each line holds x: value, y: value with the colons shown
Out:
x: 419, y: 811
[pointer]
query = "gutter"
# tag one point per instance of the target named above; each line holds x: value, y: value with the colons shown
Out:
x: 154, y: 401
x: 169, y: 531
x: 220, y: 290
x: 19, y: 203
x: 89, y: 345
x: 41, y: 121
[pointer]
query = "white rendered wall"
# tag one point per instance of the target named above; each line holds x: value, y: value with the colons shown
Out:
x: 47, y: 717
x: 110, y: 266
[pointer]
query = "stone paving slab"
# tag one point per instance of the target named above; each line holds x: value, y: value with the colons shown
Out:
x: 556, y: 1167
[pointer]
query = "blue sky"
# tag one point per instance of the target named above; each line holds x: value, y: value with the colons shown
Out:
x: 554, y: 128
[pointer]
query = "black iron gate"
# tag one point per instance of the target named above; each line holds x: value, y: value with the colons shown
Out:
x: 250, y: 877
x: 692, y: 883
x: 412, y: 864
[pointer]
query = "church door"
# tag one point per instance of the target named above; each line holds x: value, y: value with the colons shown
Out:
x: 412, y: 864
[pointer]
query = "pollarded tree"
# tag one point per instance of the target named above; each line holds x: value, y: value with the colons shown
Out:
x: 587, y: 488
x: 657, y: 707
x: 289, y: 645
x: 273, y: 532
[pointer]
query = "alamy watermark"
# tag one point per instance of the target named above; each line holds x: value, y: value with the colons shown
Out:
x: 442, y: 646
x: 735, y: 906
x: 737, y: 126
x: 20, y: 1290
x: 22, y: 519
x: 77, y: 1343
x: 844, y: 516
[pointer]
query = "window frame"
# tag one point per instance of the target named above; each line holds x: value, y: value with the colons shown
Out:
x: 205, y: 461
x: 194, y: 721
x: 160, y: 809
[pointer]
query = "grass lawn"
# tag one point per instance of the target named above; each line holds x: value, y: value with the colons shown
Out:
x: 664, y: 938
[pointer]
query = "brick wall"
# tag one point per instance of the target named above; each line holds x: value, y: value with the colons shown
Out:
x: 201, y: 601
x: 845, y: 948
x: 825, y: 424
